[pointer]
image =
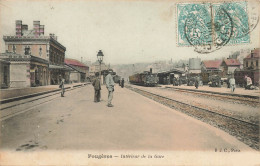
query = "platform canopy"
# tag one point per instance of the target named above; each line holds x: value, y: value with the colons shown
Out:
x: 56, y: 67
x: 174, y: 71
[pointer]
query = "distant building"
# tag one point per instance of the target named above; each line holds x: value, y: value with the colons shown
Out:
x: 79, y: 71
x: 211, y: 65
x: 229, y: 66
x: 195, y: 65
x: 240, y: 55
x: 251, y: 68
x: 252, y: 60
x: 95, y: 67
x: 40, y: 57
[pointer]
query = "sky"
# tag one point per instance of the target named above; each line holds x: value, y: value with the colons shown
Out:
x: 126, y: 31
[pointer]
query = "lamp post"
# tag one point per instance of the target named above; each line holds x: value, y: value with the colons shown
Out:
x: 100, y: 59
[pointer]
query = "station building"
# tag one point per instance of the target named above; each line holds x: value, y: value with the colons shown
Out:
x: 229, y: 66
x: 78, y: 72
x: 251, y: 69
x: 35, y: 59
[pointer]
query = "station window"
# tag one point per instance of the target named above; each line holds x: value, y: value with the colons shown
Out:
x: 27, y: 50
x: 246, y: 63
x: 47, y: 50
x: 14, y: 49
x: 40, y: 51
x: 256, y: 62
x: 252, y: 63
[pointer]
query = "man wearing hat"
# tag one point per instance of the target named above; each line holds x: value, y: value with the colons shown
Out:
x: 110, y: 87
x: 97, y: 88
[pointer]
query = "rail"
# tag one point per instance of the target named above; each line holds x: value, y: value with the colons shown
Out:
x: 244, y: 131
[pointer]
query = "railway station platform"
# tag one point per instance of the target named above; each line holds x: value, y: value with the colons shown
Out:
x: 135, y: 125
x: 135, y: 122
x: 10, y: 93
x: 221, y: 90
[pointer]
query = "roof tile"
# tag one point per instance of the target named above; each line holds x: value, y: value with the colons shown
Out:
x: 232, y: 62
x: 74, y: 62
x: 212, y: 63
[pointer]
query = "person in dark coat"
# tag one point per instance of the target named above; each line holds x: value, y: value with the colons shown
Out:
x: 97, y: 88
x: 197, y: 80
x: 122, y: 83
x: 61, y: 86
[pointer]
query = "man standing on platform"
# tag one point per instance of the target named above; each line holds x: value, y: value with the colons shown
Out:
x: 110, y: 87
x: 197, y: 81
x: 122, y: 83
x: 97, y: 88
x: 232, y: 83
x: 61, y: 86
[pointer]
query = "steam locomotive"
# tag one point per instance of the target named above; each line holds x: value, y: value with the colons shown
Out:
x: 144, y: 79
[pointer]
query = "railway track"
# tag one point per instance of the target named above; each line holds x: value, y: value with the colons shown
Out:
x: 244, y: 131
x: 248, y: 100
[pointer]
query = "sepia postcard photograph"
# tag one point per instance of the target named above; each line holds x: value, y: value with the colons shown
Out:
x: 129, y: 82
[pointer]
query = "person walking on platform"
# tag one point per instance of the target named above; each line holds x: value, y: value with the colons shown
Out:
x: 122, y: 83
x: 197, y: 80
x: 232, y: 83
x: 110, y: 87
x: 61, y: 86
x: 97, y: 88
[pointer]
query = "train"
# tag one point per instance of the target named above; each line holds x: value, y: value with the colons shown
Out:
x: 144, y: 79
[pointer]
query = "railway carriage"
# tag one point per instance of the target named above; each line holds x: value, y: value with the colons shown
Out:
x: 144, y: 79
x: 205, y: 75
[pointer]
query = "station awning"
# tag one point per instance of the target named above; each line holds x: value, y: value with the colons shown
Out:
x: 56, y: 67
x: 174, y: 71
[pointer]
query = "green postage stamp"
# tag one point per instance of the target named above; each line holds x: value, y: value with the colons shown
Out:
x: 212, y: 25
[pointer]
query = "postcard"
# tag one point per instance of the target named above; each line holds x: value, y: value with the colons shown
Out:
x: 129, y: 82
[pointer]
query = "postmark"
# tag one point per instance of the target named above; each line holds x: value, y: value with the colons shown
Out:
x: 221, y: 31
x: 209, y: 26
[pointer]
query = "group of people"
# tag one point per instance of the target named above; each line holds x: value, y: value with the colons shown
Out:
x: 232, y: 83
x: 97, y: 87
x: 110, y: 87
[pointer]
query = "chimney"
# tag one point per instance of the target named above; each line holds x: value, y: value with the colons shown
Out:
x: 41, y: 29
x: 18, y: 27
x: 24, y: 29
x: 36, y: 28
